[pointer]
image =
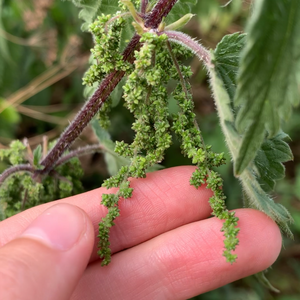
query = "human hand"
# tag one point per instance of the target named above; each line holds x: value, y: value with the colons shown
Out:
x: 164, y: 245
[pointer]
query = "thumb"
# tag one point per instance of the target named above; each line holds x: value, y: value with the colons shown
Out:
x: 47, y: 260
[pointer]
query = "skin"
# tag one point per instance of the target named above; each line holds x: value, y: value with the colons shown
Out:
x: 164, y: 245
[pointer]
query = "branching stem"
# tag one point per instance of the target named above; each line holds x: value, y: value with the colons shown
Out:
x: 88, y: 111
x: 90, y: 149
x: 161, y: 9
x: 188, y: 42
x: 14, y: 169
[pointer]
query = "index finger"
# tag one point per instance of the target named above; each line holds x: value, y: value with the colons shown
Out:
x: 162, y: 201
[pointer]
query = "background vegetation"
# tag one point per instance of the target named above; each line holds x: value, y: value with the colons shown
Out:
x: 43, y: 55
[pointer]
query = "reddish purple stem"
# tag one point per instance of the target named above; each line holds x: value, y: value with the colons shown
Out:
x: 160, y: 10
x: 89, y: 110
x: 153, y: 19
x: 14, y: 169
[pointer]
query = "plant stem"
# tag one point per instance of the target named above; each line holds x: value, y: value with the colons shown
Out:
x: 19, y: 168
x: 24, y: 200
x: 188, y: 42
x: 90, y: 149
x: 88, y: 111
x: 184, y: 87
x: 160, y: 10
x: 144, y: 4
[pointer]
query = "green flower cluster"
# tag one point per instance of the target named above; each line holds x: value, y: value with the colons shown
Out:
x: 146, y: 97
x: 217, y: 203
x: 15, y: 154
x: 193, y: 146
x: 105, y: 55
x: 20, y: 191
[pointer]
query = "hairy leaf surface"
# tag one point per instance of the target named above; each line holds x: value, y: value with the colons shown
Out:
x: 267, y: 85
x: 226, y: 60
x: 37, y: 156
x: 269, y: 159
x: 254, y: 195
x: 90, y: 9
x: 272, y: 153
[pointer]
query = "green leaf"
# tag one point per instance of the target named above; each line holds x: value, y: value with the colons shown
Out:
x: 267, y: 84
x: 254, y: 194
x: 269, y: 161
x: 255, y: 197
x: 37, y: 156
x: 100, y: 133
x: 251, y: 142
x: 226, y: 60
x: 92, y: 8
x: 117, y: 93
x: 181, y: 8
x: 225, y: 112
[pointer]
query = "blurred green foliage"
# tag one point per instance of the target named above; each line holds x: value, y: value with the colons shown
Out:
x: 43, y: 55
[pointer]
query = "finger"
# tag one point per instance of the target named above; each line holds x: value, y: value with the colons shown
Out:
x: 47, y: 260
x: 184, y: 262
x: 161, y: 202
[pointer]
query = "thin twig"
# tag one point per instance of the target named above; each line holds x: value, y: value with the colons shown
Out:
x: 161, y: 9
x: 91, y: 149
x: 14, y: 169
x: 48, y: 109
x: 41, y: 116
x: 17, y: 40
x: 46, y: 79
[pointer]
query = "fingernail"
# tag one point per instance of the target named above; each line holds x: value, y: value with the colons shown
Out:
x: 59, y: 227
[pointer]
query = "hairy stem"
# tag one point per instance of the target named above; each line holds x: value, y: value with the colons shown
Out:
x: 19, y: 168
x: 188, y: 42
x: 144, y: 4
x: 182, y: 81
x: 88, y: 111
x: 90, y: 149
x: 160, y: 10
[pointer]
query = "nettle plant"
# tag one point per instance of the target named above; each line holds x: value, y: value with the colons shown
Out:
x: 254, y: 79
